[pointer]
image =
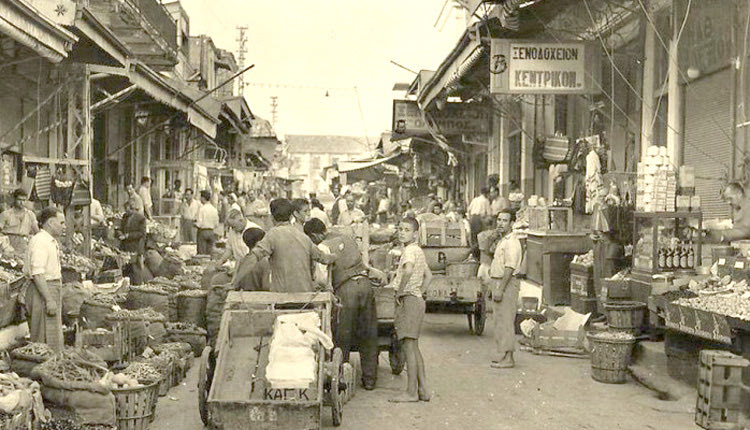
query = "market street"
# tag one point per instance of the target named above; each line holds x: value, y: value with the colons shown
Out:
x: 540, y: 393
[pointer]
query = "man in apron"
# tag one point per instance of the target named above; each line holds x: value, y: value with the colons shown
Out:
x: 18, y: 223
x: 44, y: 292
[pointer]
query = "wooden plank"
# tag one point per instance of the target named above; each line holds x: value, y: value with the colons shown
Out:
x: 258, y: 297
x: 47, y: 160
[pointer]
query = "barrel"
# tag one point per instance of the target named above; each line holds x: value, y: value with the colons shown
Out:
x: 625, y: 316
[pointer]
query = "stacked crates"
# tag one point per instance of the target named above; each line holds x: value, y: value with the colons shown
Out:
x: 719, y: 389
x: 582, y: 294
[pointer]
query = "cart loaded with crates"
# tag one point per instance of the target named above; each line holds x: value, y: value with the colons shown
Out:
x: 455, y: 287
x: 274, y: 365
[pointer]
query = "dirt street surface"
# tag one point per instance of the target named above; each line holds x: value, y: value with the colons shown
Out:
x: 539, y: 393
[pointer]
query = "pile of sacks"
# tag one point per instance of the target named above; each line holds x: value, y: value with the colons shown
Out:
x: 291, y: 359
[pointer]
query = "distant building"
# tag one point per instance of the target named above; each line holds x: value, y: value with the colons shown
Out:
x: 309, y: 155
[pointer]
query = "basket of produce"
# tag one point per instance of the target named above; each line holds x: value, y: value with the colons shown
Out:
x: 78, y: 263
x: 146, y: 374
x: 191, y: 306
x: 625, y: 316
x: 183, y: 350
x: 165, y: 365
x: 72, y: 379
x: 464, y: 269
x: 110, y: 345
x: 21, y: 406
x: 156, y: 296
x: 188, y: 333
x: 9, y: 294
x: 134, y: 401
x: 611, y: 353
x: 25, y: 358
x: 95, y: 309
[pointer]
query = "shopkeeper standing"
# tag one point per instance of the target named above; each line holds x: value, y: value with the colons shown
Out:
x: 206, y: 223
x: 18, y: 222
x: 734, y: 194
x: 43, y: 295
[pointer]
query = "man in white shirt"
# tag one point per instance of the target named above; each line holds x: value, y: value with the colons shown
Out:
x: 479, y: 211
x: 206, y: 223
x: 236, y: 247
x: 144, y: 192
x: 44, y: 294
x: 188, y: 214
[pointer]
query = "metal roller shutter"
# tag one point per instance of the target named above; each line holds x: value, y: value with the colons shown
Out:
x: 706, y: 143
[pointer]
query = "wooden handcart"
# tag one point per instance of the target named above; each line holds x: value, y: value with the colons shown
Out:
x: 232, y: 388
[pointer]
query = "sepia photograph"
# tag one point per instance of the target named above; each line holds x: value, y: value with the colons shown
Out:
x: 414, y: 214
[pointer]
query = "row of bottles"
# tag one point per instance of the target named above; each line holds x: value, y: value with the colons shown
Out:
x: 681, y: 256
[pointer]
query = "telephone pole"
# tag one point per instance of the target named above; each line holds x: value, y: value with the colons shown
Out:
x: 274, y: 109
x: 241, y: 50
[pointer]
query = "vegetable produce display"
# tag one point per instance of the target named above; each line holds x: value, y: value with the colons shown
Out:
x: 722, y: 296
x: 144, y: 314
x: 33, y: 351
x: 161, y: 230
x: 120, y: 381
x: 144, y: 372
x: 9, y: 276
x: 20, y: 403
x: 179, y: 348
x: 78, y: 262
x: 612, y: 335
x: 184, y: 326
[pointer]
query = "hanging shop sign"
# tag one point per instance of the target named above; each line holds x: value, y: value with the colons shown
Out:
x: 706, y: 43
x: 530, y: 67
x: 453, y: 119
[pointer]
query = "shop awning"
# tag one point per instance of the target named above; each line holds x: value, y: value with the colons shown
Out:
x: 350, y: 166
x: 26, y: 25
x: 203, y: 114
x: 458, y: 64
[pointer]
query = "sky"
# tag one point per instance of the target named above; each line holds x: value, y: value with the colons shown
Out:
x: 303, y: 49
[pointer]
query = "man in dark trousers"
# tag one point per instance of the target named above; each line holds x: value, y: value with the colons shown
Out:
x: 356, y: 326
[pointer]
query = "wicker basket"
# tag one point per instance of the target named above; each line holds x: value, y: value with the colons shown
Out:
x: 625, y: 316
x: 196, y: 339
x: 466, y: 269
x: 610, y: 358
x: 135, y: 406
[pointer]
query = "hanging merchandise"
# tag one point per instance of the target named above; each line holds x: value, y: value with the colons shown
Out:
x: 27, y: 183
x: 81, y: 194
x: 201, y: 177
x: 43, y: 183
x: 594, y: 182
x: 62, y: 188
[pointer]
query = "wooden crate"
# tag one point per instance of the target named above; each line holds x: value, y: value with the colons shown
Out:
x: 442, y: 234
x: 719, y: 389
x: 111, y: 345
x: 582, y: 280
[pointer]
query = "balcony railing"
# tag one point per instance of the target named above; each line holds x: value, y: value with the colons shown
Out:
x: 159, y: 18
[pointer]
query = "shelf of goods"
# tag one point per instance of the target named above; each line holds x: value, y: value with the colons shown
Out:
x: 664, y: 243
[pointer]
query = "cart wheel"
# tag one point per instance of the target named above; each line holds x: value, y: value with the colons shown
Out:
x: 396, y: 356
x: 205, y: 374
x: 479, y: 316
x: 336, y: 396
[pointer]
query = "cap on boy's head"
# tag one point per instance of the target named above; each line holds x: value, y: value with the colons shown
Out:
x: 205, y: 194
x: 314, y: 226
x: 281, y: 209
x: 252, y: 236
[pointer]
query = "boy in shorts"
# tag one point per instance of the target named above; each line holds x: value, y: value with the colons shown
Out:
x: 412, y: 274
